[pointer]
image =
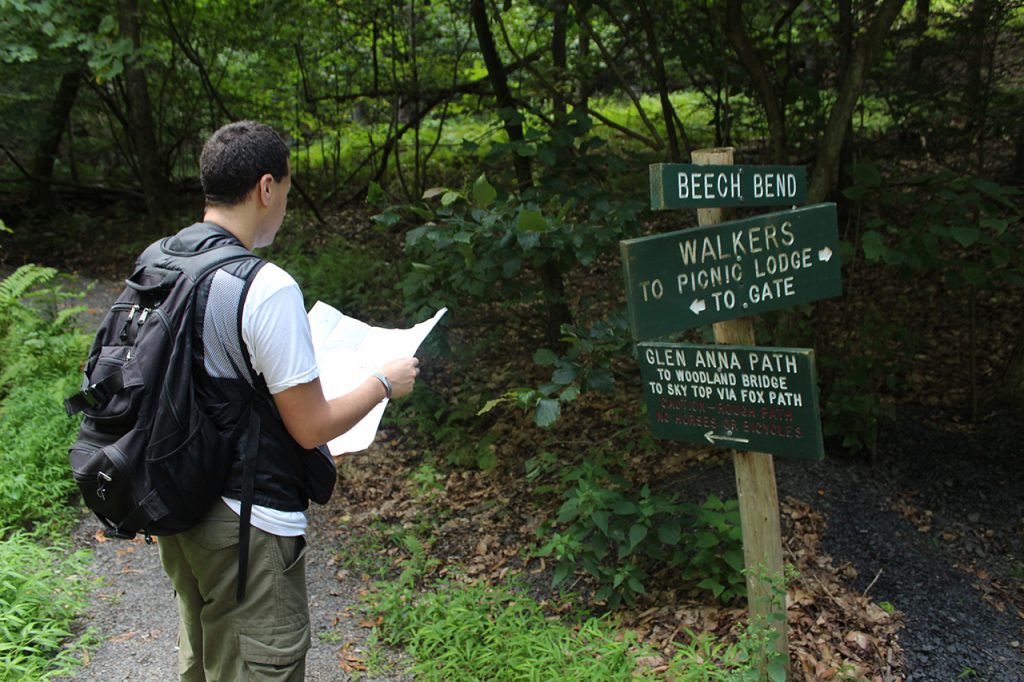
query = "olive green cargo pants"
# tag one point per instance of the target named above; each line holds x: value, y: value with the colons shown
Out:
x: 263, y: 638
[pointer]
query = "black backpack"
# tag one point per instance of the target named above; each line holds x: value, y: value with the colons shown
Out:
x: 147, y: 458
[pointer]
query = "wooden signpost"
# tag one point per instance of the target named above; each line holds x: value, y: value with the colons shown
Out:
x: 755, y: 400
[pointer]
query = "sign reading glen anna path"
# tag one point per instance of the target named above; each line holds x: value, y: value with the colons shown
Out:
x: 762, y: 399
x: 678, y: 185
x: 685, y: 279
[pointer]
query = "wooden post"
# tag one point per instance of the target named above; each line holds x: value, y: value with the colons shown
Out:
x: 755, y: 479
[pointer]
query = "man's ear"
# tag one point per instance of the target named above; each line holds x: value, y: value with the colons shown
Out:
x: 264, y: 189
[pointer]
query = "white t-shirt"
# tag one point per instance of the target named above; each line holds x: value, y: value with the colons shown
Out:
x: 275, y: 330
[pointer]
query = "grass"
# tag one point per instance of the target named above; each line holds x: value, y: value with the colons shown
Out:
x: 42, y: 592
x: 476, y: 632
x: 457, y: 631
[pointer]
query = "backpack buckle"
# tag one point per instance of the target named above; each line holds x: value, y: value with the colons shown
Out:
x: 90, y: 397
x: 96, y: 394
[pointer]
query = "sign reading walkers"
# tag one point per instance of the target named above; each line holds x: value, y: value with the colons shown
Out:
x: 680, y: 185
x: 744, y: 398
x: 688, y: 278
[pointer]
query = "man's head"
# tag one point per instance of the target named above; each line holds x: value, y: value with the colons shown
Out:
x: 236, y: 157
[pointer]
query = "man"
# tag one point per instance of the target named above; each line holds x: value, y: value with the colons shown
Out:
x: 264, y: 636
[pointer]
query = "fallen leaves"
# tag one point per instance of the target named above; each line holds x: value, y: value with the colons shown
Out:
x: 834, y: 633
x: 349, y: 660
x: 481, y: 523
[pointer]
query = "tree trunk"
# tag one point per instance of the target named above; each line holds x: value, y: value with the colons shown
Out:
x: 846, y: 156
x: 850, y: 88
x: 667, y: 110
x: 502, y: 93
x: 922, y: 9
x: 141, y: 131
x: 49, y: 139
x: 775, y: 115
x: 555, y: 300
x: 584, y: 87
x: 559, y: 57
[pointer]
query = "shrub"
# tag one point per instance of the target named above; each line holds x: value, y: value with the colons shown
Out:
x: 620, y: 536
x: 41, y: 593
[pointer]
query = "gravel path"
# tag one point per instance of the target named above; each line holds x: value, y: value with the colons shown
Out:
x: 134, y: 610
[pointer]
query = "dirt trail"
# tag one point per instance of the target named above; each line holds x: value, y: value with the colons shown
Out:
x: 134, y: 610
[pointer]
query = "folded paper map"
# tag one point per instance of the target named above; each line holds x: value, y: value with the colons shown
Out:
x: 349, y: 350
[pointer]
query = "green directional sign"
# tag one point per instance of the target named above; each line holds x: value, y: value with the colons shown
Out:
x: 693, y: 277
x: 744, y: 398
x: 679, y: 185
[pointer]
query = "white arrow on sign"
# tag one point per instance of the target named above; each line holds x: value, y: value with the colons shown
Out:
x: 712, y: 438
x: 698, y: 306
x: 825, y: 254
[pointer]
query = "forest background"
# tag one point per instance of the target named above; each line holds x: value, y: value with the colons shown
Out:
x: 489, y: 156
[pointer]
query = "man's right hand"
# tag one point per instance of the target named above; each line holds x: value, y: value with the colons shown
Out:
x: 402, y: 374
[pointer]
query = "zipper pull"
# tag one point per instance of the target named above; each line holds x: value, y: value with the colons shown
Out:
x: 124, y: 330
x: 143, y: 316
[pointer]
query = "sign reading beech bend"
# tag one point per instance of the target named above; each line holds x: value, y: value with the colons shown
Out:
x: 744, y: 398
x: 679, y: 185
x: 680, y: 280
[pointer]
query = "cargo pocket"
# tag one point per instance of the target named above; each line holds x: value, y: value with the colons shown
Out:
x: 275, y: 652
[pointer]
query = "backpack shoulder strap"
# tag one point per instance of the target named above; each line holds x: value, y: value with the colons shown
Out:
x: 196, y: 251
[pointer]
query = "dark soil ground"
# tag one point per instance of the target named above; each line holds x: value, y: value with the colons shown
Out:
x: 934, y: 529
x: 952, y: 559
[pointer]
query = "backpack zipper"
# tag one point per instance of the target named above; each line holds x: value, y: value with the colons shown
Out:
x: 127, y: 323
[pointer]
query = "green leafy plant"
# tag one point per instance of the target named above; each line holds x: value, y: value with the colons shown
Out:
x: 619, y: 535
x: 351, y: 277
x: 364, y: 550
x: 705, y: 659
x: 712, y: 548
x: 448, y: 421
x: 959, y: 227
x: 40, y: 352
x: 585, y: 366
x: 41, y: 588
x: 483, y: 244
x: 42, y: 591
x: 460, y: 631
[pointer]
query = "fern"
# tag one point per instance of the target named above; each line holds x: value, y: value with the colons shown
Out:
x: 40, y: 355
x: 16, y: 285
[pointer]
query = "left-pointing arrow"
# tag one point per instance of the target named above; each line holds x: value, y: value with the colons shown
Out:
x: 698, y: 306
x: 713, y: 439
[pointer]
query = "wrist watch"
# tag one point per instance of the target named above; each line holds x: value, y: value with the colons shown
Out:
x: 386, y: 383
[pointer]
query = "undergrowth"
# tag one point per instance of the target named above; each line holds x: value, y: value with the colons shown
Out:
x: 42, y: 589
x: 40, y: 352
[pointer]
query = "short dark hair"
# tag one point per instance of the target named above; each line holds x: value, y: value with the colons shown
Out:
x: 236, y: 157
